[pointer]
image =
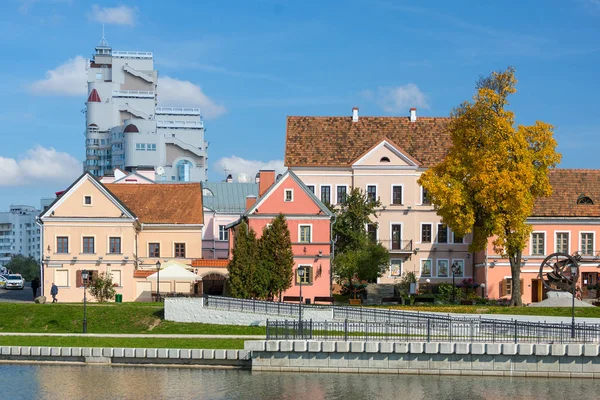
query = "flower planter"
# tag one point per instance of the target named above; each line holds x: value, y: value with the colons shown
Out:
x: 355, y: 302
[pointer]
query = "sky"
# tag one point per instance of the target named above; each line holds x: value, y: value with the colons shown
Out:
x: 249, y: 64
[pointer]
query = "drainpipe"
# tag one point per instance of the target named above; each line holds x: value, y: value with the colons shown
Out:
x: 137, y: 254
x: 39, y: 223
x: 332, y: 255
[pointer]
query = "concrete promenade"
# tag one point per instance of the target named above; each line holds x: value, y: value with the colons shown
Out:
x: 137, y: 335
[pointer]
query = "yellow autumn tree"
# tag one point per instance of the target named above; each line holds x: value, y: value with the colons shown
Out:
x: 488, y: 182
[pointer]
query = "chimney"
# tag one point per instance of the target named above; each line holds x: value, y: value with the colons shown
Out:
x: 250, y: 200
x: 266, y: 179
x: 413, y: 115
x: 355, y: 114
x: 229, y: 178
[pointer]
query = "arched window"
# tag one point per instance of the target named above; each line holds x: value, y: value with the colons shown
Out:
x: 384, y: 159
x: 583, y: 199
x: 183, y: 170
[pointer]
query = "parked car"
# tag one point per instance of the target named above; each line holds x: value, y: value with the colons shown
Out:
x: 15, y: 281
x: 2, y: 281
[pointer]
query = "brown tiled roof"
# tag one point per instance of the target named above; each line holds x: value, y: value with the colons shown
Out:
x: 202, y: 262
x: 337, y: 141
x: 143, y: 273
x: 567, y: 186
x: 169, y: 203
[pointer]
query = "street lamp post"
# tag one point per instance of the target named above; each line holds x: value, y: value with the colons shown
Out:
x: 574, y: 279
x: 300, y: 277
x: 84, y: 276
x: 158, y: 280
x: 427, y: 281
x: 482, y: 286
x: 455, y: 269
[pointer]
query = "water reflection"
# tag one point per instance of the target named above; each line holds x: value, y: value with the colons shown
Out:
x: 104, y: 382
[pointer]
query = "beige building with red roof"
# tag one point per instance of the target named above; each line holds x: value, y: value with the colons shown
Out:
x: 383, y: 156
x: 121, y: 229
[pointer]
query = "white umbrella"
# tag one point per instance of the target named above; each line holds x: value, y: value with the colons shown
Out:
x: 175, y: 273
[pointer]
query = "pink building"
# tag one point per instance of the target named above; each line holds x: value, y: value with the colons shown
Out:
x: 309, y: 222
x: 566, y: 222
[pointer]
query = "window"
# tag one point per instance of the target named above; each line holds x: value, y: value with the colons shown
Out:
x: 289, y: 195
x: 372, y: 192
x: 87, y: 200
x: 442, y: 233
x: 341, y: 194
x: 180, y: 250
x: 396, y: 194
x: 537, y: 243
x: 114, y: 245
x: 93, y: 275
x: 384, y: 159
x: 460, y: 272
x: 151, y: 146
x: 311, y: 188
x: 426, y: 233
x: 307, y: 277
x: 153, y: 249
x: 61, y: 277
x: 88, y: 244
x: 183, y: 170
x: 562, y: 242
x: 223, y: 233
x: 426, y: 268
x: 587, y: 244
x: 140, y: 146
x: 116, y: 277
x: 305, y: 233
x: 372, y: 232
x: 584, y: 200
x: 457, y: 238
x: 62, y: 244
x: 442, y: 268
x: 507, y: 285
x: 425, y: 197
x: 396, y: 237
x: 98, y: 76
x: 326, y: 194
x: 395, y: 267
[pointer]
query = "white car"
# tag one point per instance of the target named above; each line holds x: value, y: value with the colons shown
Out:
x: 2, y: 281
x: 14, y: 281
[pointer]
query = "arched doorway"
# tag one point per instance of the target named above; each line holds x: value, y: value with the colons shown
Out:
x: 213, y: 284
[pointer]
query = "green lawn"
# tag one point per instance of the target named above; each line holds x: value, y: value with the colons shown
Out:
x: 583, y: 312
x: 78, y: 341
x: 105, y: 318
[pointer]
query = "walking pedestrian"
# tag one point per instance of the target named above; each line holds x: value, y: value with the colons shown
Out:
x: 35, y: 285
x: 54, y: 292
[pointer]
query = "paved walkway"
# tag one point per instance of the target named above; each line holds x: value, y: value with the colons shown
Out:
x: 137, y: 335
x: 525, y: 318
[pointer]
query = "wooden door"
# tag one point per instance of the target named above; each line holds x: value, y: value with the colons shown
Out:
x: 537, y: 293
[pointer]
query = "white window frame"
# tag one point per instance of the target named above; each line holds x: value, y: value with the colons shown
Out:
x: 401, y: 267
x: 320, y: 189
x: 421, y: 191
x: 69, y: 244
x: 85, y: 196
x: 463, y: 267
x: 95, y: 244
x: 108, y: 244
x: 453, y: 242
x: 376, y: 190
x: 376, y: 231
x: 556, y: 233
x: 308, y: 185
x: 437, y: 268
x: 285, y: 195
x: 160, y: 249
x: 531, y: 243
x: 421, y: 268
x: 581, y: 242
x: 140, y: 146
x: 150, y: 146
x: 68, y: 276
x: 300, y: 226
x: 391, y: 239
x: 392, y: 186
x: 225, y: 233
x: 120, y: 272
x: 173, y: 249
x: 421, y: 233
x: 337, y: 200
x: 437, y: 233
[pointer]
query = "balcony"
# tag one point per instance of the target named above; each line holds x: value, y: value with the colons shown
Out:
x: 132, y: 54
x: 180, y: 124
x: 177, y: 111
x: 398, y: 246
x: 139, y: 94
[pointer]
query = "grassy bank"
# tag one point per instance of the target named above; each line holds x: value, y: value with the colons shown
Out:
x: 582, y: 312
x: 66, y: 341
x: 105, y: 318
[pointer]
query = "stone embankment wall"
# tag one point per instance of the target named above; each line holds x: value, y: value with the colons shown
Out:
x: 96, y: 355
x: 472, y: 359
x: 182, y: 309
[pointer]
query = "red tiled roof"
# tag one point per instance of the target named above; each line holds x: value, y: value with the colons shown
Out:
x: 202, y: 262
x: 169, y: 203
x: 94, y: 97
x: 567, y: 187
x: 337, y: 141
x: 142, y: 273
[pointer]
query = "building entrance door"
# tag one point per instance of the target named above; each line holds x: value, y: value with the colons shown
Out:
x: 537, y: 291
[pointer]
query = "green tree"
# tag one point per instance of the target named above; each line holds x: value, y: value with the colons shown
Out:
x: 356, y: 255
x: 488, y: 182
x: 277, y: 257
x: 247, y: 279
x: 28, y: 267
x: 102, y: 288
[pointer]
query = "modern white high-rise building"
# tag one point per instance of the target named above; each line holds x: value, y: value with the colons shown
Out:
x: 125, y: 128
x: 19, y: 234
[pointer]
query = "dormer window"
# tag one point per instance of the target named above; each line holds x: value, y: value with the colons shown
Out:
x: 584, y: 200
x: 384, y: 159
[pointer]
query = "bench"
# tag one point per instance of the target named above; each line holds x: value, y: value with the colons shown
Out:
x: 396, y: 300
x: 323, y: 299
x: 424, y: 299
x: 296, y: 299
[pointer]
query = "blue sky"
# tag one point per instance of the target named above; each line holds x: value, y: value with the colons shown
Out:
x: 249, y: 64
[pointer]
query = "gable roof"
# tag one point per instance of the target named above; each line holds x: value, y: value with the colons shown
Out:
x: 133, y: 174
x: 169, y: 203
x: 227, y: 197
x: 394, y: 148
x: 322, y: 207
x: 567, y: 186
x: 337, y: 141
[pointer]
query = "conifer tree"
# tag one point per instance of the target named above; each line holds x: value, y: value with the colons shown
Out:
x: 276, y: 257
x: 246, y: 279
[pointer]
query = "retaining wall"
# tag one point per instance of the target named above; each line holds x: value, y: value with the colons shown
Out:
x: 473, y: 359
x: 97, y: 355
x: 182, y: 309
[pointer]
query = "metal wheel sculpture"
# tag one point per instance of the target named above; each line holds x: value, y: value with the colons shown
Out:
x: 555, y: 271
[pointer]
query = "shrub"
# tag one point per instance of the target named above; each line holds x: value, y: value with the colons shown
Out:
x: 102, y: 288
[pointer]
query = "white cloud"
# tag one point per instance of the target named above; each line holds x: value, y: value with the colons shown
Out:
x: 39, y: 165
x: 395, y: 99
x: 236, y: 165
x: 174, y: 92
x: 121, y: 15
x: 68, y: 79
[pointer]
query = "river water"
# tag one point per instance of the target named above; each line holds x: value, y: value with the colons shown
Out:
x: 20, y: 381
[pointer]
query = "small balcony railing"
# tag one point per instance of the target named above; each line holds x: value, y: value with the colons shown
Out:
x: 398, y: 246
